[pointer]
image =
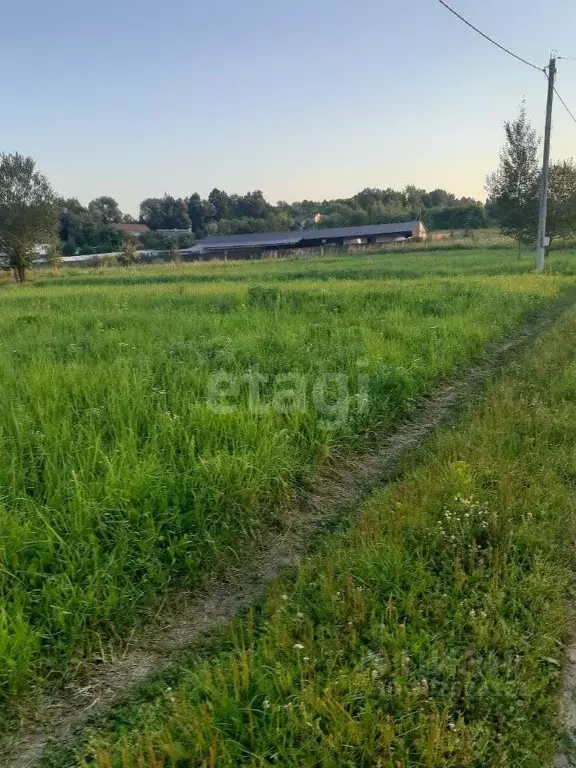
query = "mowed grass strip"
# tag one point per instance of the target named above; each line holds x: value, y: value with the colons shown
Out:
x: 119, y: 481
x: 427, y: 634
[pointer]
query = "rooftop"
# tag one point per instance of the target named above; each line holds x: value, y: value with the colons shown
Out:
x: 263, y: 239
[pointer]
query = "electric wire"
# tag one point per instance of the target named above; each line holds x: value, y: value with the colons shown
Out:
x: 491, y: 40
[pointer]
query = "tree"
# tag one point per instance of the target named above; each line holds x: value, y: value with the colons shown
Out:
x: 54, y: 254
x: 514, y: 188
x: 465, y: 216
x: 439, y: 197
x: 562, y: 200
x: 101, y: 240
x: 129, y: 254
x: 105, y: 210
x: 252, y: 205
x: 154, y: 241
x: 82, y: 231
x: 28, y: 211
x: 73, y: 218
x: 414, y: 198
x: 165, y: 213
x: 199, y: 213
x: 221, y: 204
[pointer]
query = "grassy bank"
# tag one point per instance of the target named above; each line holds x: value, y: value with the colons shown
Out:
x: 427, y: 634
x: 126, y: 469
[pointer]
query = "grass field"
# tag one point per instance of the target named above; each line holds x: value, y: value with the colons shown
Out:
x: 441, y: 261
x: 155, y: 419
x: 429, y: 633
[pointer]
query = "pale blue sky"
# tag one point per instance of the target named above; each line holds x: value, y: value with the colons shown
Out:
x: 316, y: 98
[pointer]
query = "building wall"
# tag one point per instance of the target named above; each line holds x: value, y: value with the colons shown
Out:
x: 385, y: 238
x: 420, y: 231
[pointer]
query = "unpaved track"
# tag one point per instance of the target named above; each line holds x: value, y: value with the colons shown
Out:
x: 341, y: 485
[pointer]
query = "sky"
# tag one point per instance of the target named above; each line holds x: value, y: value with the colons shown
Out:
x: 313, y: 99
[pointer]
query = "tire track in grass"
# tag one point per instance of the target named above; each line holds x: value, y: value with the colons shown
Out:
x: 339, y: 486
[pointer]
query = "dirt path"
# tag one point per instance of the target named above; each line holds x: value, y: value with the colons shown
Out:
x: 341, y: 485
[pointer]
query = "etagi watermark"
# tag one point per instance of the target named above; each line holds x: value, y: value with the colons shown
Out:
x: 333, y: 396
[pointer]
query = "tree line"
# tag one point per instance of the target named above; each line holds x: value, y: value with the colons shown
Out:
x: 31, y: 213
x: 90, y: 229
x: 225, y: 214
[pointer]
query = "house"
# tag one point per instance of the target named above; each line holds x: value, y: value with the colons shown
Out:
x: 131, y: 229
x: 246, y: 245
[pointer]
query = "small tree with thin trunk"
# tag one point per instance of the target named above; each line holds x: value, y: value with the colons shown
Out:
x: 129, y: 254
x: 513, y: 190
x: 28, y: 212
x: 54, y: 255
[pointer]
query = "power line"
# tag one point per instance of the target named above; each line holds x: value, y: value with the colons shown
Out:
x: 564, y: 105
x: 490, y: 40
x: 510, y: 53
x: 560, y: 99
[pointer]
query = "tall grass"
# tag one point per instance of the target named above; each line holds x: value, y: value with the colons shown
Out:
x: 357, y: 266
x: 118, y: 479
x: 428, y: 634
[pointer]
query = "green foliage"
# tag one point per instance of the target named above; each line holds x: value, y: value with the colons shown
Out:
x: 226, y: 214
x: 154, y: 241
x: 54, y: 254
x: 513, y: 190
x: 466, y: 216
x: 428, y: 634
x: 28, y: 213
x: 83, y: 231
x: 562, y: 199
x: 165, y: 213
x: 105, y: 211
x: 87, y: 230
x: 129, y: 254
x: 124, y: 481
x: 159, y: 241
x: 221, y: 204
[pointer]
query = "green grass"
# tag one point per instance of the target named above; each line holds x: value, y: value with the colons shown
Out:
x: 119, y: 482
x: 442, y: 261
x: 427, y: 634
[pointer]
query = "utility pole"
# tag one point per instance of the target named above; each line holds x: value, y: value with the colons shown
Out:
x: 542, y: 242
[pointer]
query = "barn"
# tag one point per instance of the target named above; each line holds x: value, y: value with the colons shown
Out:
x: 254, y: 244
